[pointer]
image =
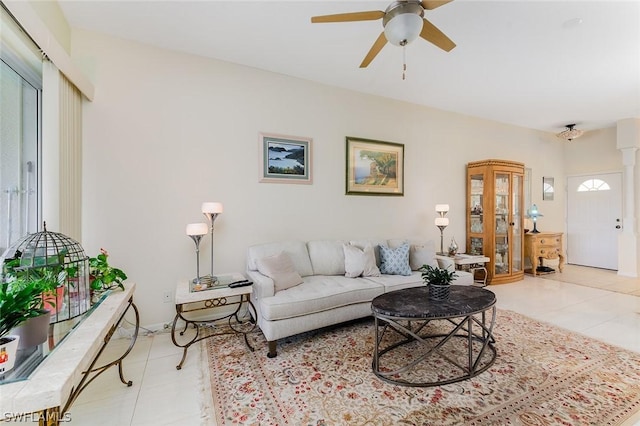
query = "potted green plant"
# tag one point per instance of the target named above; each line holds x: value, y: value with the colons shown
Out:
x: 438, y: 280
x: 21, y: 300
x: 104, y: 276
x: 51, y: 278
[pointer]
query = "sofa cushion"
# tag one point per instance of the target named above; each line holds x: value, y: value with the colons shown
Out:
x: 421, y: 254
x: 359, y: 262
x: 280, y: 269
x: 327, y: 257
x: 373, y: 243
x: 316, y: 294
x: 395, y: 261
x: 397, y: 282
x: 297, y: 251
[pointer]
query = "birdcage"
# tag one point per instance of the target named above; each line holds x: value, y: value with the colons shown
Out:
x: 48, y: 252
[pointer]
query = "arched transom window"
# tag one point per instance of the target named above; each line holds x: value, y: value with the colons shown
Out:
x: 593, y: 185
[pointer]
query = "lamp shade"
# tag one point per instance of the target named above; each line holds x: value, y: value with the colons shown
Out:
x: 403, y: 28
x: 197, y: 229
x: 210, y: 207
x: 442, y: 221
x: 533, y: 212
x: 442, y: 208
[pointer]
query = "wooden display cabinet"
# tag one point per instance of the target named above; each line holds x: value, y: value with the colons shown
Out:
x: 495, y: 219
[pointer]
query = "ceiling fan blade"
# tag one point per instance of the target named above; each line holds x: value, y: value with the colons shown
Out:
x: 432, y: 4
x: 371, y: 15
x: 434, y: 35
x: 375, y: 49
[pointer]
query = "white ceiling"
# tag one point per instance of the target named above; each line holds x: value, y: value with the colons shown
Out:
x: 535, y: 64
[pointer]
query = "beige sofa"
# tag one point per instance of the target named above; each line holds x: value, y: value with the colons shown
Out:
x: 324, y: 295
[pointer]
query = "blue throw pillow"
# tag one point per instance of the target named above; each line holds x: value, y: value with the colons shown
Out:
x: 395, y: 261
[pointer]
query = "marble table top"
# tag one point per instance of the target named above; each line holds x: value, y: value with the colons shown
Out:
x: 414, y: 302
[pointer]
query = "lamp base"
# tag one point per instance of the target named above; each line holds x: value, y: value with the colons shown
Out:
x: 535, y: 229
x: 210, y: 279
x: 205, y: 280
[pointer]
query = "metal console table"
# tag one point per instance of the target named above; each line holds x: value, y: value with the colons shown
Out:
x: 188, y: 301
x: 420, y: 342
x: 49, y: 391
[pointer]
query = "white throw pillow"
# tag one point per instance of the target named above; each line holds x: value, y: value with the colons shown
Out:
x: 280, y: 269
x: 359, y: 262
x: 422, y: 254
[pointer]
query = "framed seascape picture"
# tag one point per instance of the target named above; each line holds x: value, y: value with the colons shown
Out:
x: 374, y: 167
x: 285, y: 159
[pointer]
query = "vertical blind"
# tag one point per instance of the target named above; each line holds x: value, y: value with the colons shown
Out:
x: 70, y: 159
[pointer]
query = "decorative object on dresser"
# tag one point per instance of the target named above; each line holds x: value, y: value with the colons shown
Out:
x: 196, y: 231
x: 540, y: 246
x: 495, y: 217
x: 211, y: 210
x: 534, y: 214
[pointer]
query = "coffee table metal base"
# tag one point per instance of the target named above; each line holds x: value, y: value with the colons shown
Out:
x: 474, y: 331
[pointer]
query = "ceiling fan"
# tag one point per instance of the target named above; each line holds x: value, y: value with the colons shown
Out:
x: 403, y: 22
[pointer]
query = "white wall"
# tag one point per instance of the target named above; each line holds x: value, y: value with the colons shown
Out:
x: 168, y: 131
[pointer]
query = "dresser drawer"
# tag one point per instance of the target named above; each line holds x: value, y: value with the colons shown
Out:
x: 551, y: 242
x: 548, y: 252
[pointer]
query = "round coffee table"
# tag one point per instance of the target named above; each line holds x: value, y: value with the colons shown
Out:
x: 421, y: 342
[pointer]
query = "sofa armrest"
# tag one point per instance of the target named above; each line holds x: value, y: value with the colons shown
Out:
x: 263, y: 286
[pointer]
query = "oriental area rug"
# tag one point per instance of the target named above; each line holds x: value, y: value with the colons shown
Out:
x: 543, y: 375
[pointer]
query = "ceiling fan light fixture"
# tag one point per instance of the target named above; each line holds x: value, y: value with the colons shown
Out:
x: 570, y: 133
x: 402, y: 29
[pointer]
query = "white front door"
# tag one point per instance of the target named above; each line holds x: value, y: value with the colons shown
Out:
x: 594, y: 219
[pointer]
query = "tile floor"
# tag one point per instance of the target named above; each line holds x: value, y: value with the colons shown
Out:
x: 162, y: 395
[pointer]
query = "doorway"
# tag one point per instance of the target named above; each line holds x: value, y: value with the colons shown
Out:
x: 594, y: 219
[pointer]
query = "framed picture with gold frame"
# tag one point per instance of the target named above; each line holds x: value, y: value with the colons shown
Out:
x: 374, y: 167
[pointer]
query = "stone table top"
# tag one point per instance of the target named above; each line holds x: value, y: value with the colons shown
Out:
x: 415, y: 303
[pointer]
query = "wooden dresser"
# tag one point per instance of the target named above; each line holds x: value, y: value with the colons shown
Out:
x: 543, y: 245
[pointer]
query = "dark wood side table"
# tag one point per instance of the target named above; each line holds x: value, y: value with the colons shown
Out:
x: 421, y: 342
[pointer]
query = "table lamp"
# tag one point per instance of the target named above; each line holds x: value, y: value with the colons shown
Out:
x: 196, y: 231
x: 211, y: 210
x: 534, y: 214
x: 442, y: 222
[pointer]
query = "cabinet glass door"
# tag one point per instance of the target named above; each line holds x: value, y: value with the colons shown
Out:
x: 475, y: 204
x: 501, y: 225
x: 516, y: 220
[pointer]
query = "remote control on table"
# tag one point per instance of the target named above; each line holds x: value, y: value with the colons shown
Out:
x: 240, y: 283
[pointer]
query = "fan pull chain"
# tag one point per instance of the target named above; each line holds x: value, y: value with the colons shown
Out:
x: 404, y: 62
